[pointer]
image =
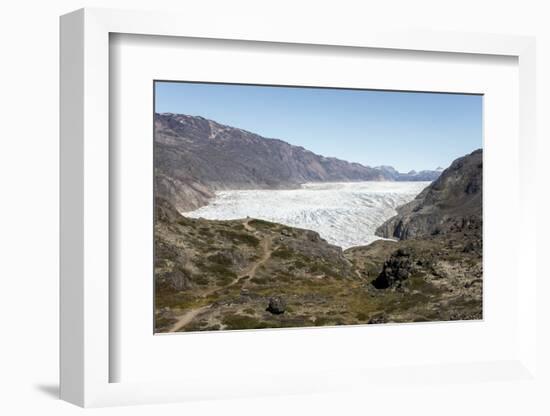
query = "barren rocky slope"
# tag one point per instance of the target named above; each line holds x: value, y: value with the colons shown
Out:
x: 195, y: 157
x: 450, y: 203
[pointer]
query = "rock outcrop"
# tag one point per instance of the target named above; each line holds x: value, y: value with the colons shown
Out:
x: 451, y: 203
x: 396, y: 269
x: 276, y: 305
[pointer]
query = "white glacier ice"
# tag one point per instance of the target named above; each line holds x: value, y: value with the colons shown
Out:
x: 344, y: 214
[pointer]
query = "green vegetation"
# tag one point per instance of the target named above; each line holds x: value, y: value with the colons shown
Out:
x: 319, y: 267
x: 261, y: 224
x: 219, y: 270
x: 299, y: 264
x: 235, y: 321
x: 206, y: 232
x: 240, y: 237
x: 184, y: 221
x: 361, y: 316
x: 200, y: 280
x: 322, y: 321
x: 220, y: 259
x: 260, y: 280
x: 162, y: 322
x: 283, y: 252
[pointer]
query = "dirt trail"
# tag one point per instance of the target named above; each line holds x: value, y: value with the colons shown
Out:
x: 187, y: 317
x: 266, y: 255
x: 248, y: 273
x: 247, y: 225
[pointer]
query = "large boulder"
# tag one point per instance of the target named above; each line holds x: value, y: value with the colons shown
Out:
x: 276, y: 305
x: 397, y: 269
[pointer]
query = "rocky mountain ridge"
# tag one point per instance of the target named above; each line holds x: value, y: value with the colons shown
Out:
x: 452, y: 202
x: 423, y: 175
x: 194, y: 157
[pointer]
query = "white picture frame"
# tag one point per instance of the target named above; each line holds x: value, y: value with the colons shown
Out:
x: 85, y: 211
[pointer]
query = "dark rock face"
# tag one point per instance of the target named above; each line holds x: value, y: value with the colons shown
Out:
x: 451, y: 203
x: 396, y: 269
x: 276, y: 306
x: 185, y: 192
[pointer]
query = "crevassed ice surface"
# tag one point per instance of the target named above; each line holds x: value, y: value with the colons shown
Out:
x: 344, y: 214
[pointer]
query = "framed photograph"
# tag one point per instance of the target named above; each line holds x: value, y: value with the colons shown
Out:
x: 275, y: 212
x: 254, y: 232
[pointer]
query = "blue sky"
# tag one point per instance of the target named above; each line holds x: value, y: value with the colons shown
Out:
x: 402, y: 129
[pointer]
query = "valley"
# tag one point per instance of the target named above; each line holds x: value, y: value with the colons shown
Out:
x: 255, y: 233
x: 345, y: 214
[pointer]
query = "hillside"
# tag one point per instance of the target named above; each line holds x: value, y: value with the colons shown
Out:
x: 195, y: 157
x: 453, y: 202
x: 248, y: 273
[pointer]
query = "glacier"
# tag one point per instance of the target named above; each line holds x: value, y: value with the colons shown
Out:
x: 345, y: 214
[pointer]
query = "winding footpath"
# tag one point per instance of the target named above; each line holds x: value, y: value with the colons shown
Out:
x: 187, y: 317
x: 249, y: 273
